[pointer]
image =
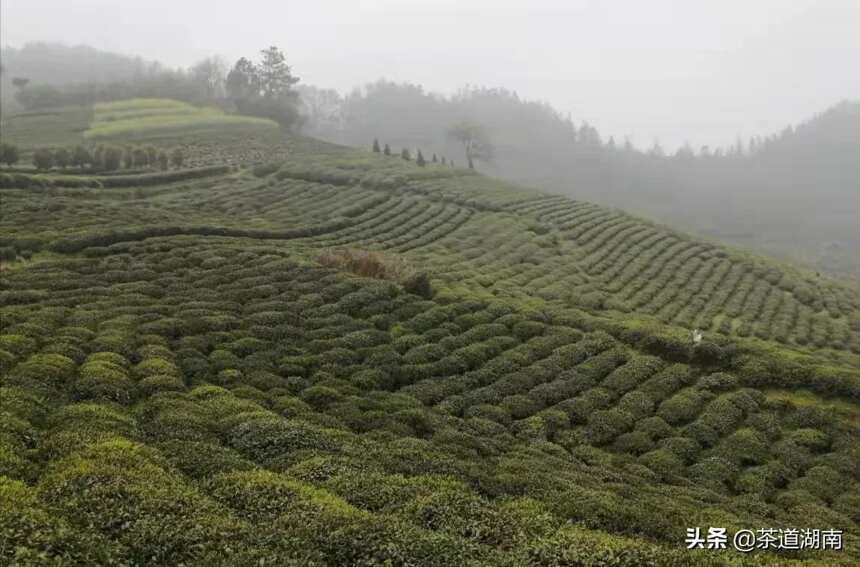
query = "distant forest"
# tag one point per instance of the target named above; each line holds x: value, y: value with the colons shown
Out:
x: 795, y: 194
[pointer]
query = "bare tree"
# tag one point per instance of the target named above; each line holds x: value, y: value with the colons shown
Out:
x: 322, y: 109
x: 475, y: 141
x: 210, y: 75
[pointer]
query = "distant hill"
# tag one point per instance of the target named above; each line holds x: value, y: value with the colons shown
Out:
x: 791, y: 194
x: 787, y: 195
x: 58, y: 64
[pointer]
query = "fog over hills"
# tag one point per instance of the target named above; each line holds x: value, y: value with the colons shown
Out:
x: 260, y: 306
x: 787, y: 192
x: 663, y: 70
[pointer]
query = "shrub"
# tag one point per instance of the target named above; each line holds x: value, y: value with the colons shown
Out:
x: 654, y: 427
x: 822, y: 481
x: 458, y: 511
x: 160, y: 383
x: 30, y: 534
x: 670, y: 348
x: 714, y: 473
x: 664, y: 463
x: 519, y: 406
x: 634, y: 442
x: 264, y: 439
x: 200, y: 460
x: 574, y: 545
x: 155, y: 366
x: 321, y: 396
x: 683, y: 447
x: 419, y: 284
x: 683, y: 406
x: 379, y: 266
x: 637, y: 404
x: 125, y: 491
x: 42, y: 370
x: 263, y: 495
x: 604, y: 425
x: 103, y: 380
x: 745, y: 446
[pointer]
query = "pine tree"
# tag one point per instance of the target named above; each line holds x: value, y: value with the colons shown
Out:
x: 375, y: 146
x: 8, y: 154
x: 61, y: 158
x: 405, y: 155
x: 99, y: 157
x: 151, y: 154
x: 434, y: 159
x: 177, y: 157
x: 112, y: 157
x: 443, y: 160
x: 420, y: 159
x: 387, y: 150
x: 81, y: 156
x: 163, y: 160
x: 43, y: 158
x: 141, y: 158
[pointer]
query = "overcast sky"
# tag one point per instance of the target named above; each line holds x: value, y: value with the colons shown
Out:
x: 673, y: 70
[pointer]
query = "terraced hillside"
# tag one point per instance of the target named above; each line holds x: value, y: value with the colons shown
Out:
x: 184, y: 381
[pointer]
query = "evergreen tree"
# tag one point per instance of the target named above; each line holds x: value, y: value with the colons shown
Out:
x: 43, y: 158
x: 443, y: 160
x: 376, y: 146
x: 98, y: 157
x: 8, y: 154
x: 177, y: 157
x: 151, y: 154
x: 112, y: 158
x: 129, y: 157
x: 61, y: 157
x: 434, y: 159
x: 141, y: 158
x: 387, y: 150
x: 81, y: 157
x: 163, y: 160
x: 420, y: 159
x: 266, y: 89
x: 243, y: 81
x: 406, y: 155
x: 275, y: 76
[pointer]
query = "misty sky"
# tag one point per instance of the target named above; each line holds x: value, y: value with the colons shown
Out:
x: 673, y: 70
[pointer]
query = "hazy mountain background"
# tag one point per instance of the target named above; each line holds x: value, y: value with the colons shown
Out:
x: 794, y: 193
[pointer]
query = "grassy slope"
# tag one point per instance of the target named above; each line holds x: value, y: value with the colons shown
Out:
x: 144, y: 118
x: 547, y: 381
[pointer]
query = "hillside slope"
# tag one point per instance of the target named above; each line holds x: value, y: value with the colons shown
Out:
x: 185, y: 378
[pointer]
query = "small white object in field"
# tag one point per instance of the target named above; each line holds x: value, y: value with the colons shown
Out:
x: 697, y: 336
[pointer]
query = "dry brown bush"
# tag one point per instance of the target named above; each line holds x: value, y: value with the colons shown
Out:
x: 380, y: 266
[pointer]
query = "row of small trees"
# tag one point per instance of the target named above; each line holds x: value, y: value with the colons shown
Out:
x: 107, y: 157
x: 407, y: 155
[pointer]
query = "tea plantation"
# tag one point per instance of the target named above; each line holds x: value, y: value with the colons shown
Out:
x: 198, y: 366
